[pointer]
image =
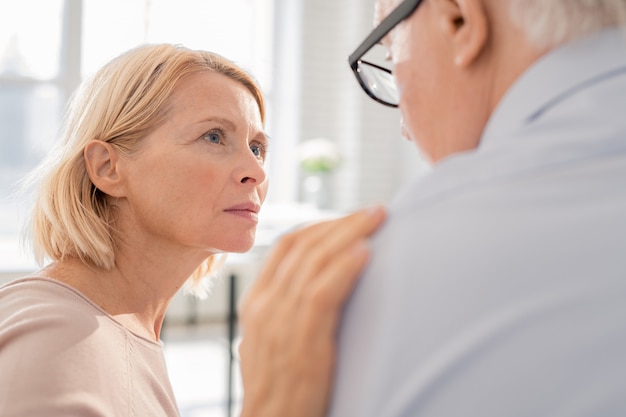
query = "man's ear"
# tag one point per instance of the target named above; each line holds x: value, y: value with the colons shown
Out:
x: 466, y: 22
x: 102, y: 163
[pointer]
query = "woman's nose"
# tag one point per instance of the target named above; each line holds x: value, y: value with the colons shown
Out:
x: 250, y: 170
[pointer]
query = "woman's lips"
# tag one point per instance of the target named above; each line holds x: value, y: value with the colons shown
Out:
x: 248, y: 211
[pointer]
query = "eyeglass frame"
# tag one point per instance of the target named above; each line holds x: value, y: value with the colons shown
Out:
x: 401, y: 12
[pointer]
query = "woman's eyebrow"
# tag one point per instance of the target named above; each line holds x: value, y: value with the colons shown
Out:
x: 226, y: 122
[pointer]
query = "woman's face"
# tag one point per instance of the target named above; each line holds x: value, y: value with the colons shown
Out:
x: 198, y: 181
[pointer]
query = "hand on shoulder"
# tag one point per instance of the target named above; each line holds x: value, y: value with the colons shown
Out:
x: 290, y: 316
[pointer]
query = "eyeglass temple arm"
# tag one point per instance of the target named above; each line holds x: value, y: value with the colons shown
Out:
x: 400, y: 13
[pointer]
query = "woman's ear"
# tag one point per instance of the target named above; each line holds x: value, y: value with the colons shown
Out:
x: 467, y: 25
x: 102, y: 163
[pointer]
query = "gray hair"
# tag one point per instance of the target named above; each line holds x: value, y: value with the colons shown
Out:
x: 548, y: 23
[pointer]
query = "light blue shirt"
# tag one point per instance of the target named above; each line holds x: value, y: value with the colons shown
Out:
x: 497, y: 287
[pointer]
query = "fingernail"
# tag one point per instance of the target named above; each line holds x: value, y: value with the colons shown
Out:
x: 375, y: 210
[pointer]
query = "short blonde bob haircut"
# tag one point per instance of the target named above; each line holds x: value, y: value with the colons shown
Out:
x: 120, y: 104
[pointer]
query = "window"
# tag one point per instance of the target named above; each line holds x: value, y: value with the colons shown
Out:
x: 47, y: 47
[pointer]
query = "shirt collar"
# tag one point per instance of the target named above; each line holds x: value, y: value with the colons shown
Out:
x: 545, y: 83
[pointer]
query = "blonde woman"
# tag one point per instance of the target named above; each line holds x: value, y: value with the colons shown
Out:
x: 159, y: 169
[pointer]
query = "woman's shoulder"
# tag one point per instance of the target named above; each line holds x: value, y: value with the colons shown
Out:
x: 43, y: 312
x: 41, y: 308
x: 32, y: 299
x: 53, y: 342
x: 36, y: 286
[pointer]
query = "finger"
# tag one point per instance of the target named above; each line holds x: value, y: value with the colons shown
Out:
x: 287, y: 256
x: 280, y: 340
x: 308, y: 331
x: 301, y: 316
x: 338, y: 279
x: 320, y: 308
x: 342, y: 231
x: 310, y: 256
x: 322, y: 299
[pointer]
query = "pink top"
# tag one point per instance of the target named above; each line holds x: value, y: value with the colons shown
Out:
x: 61, y: 355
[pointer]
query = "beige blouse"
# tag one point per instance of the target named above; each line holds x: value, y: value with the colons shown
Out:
x: 61, y: 355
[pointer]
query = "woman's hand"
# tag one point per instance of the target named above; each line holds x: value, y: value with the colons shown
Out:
x: 290, y: 316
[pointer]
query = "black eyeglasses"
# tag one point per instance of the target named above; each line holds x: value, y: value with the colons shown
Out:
x: 378, y: 82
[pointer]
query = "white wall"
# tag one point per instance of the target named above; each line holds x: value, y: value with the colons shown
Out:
x: 316, y: 95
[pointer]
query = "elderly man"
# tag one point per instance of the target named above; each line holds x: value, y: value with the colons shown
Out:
x: 497, y: 286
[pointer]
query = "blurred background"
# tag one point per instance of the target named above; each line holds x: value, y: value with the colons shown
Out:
x: 332, y: 148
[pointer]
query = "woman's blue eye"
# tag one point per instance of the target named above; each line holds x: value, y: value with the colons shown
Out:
x: 214, y: 137
x: 259, y: 150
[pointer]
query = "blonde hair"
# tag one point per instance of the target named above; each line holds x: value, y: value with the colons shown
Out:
x: 548, y: 23
x: 120, y: 104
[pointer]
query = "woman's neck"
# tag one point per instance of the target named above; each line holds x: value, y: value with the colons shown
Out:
x: 136, y: 298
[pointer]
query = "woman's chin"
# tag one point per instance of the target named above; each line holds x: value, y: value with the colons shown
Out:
x: 241, y: 246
